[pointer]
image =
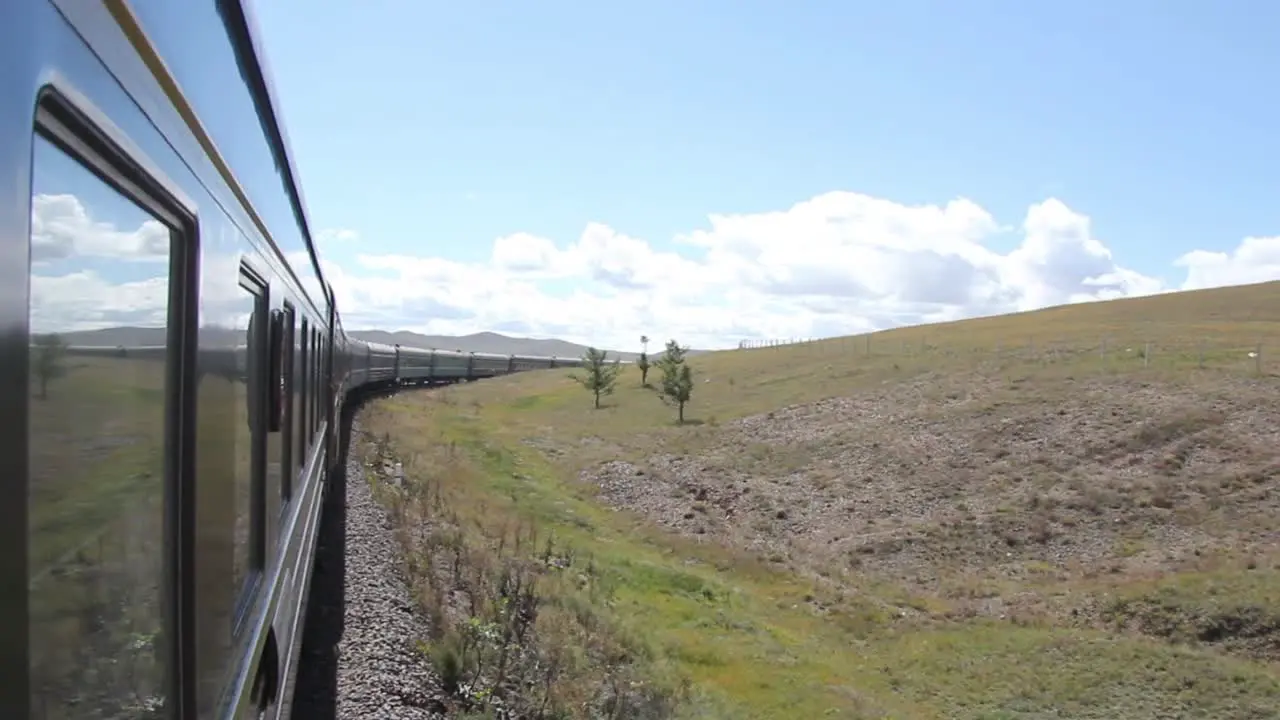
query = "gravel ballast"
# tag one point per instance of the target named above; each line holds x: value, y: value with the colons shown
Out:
x: 359, y: 656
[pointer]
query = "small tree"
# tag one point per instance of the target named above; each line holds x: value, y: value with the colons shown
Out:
x: 48, y: 365
x: 677, y: 377
x: 599, y: 375
x: 674, y: 353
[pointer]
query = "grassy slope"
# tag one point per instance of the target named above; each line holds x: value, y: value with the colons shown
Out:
x: 761, y: 640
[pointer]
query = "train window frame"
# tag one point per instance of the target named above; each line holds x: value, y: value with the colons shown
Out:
x: 315, y: 381
x: 81, y: 131
x: 257, y: 394
x: 290, y: 322
x: 304, y: 392
x: 321, y: 384
x: 327, y: 350
x: 311, y: 384
x: 311, y: 375
x: 275, y: 372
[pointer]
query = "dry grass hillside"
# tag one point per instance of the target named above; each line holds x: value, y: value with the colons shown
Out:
x: 1067, y: 513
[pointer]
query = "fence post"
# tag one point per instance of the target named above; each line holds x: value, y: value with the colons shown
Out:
x: 1257, y: 359
x: 1202, y: 354
x: 1146, y: 355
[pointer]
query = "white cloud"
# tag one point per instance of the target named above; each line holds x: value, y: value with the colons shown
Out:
x: 86, y: 301
x: 526, y: 253
x: 61, y: 227
x: 839, y: 263
x: 835, y: 264
x: 335, y: 236
x: 88, y: 273
x: 1256, y: 259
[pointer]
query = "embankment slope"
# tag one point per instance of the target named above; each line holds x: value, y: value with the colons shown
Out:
x: 1072, y: 509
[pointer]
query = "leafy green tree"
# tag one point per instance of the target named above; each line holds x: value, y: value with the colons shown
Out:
x: 48, y: 361
x: 673, y: 353
x: 599, y: 375
x: 677, y: 377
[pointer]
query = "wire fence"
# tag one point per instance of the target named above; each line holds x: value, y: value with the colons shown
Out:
x: 1234, y: 354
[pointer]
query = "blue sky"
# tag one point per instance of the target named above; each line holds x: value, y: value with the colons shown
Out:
x: 431, y: 129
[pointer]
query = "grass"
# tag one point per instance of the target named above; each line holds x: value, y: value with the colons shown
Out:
x: 942, y: 533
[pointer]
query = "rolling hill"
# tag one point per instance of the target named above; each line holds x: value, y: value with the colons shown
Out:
x: 1070, y: 512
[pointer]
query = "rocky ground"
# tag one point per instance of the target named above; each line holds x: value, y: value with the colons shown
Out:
x: 360, y: 656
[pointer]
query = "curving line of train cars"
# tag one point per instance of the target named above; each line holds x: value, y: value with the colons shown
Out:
x: 369, y: 365
x: 409, y: 366
x: 161, y: 500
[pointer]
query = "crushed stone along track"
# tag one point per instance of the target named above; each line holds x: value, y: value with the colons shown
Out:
x: 358, y: 657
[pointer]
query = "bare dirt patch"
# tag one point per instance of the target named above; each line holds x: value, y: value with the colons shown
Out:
x: 967, y: 487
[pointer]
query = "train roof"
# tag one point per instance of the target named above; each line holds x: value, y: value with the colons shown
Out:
x: 243, y: 29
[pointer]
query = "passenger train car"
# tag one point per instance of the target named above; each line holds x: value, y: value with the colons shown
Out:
x: 173, y: 365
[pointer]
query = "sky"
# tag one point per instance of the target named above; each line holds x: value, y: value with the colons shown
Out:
x: 720, y: 171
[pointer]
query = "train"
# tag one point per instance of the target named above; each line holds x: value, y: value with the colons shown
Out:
x: 372, y: 366
x: 163, y: 478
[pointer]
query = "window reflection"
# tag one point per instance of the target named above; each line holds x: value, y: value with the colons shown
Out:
x: 96, y: 421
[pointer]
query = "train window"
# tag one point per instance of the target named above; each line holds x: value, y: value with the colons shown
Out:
x: 250, y: 530
x: 319, y: 380
x: 326, y: 380
x: 286, y: 399
x: 311, y: 396
x: 102, y: 371
x: 304, y: 365
x: 315, y: 384
x: 311, y: 386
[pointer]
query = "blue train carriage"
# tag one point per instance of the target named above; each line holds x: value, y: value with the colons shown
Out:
x: 157, y: 541
x: 418, y: 367
x: 383, y: 363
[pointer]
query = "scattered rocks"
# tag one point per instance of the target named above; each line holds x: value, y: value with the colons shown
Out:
x: 930, y: 480
x: 360, y: 658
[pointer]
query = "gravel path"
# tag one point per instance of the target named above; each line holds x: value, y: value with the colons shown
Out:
x: 358, y: 655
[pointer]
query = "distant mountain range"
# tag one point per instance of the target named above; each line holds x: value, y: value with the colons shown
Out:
x: 488, y: 342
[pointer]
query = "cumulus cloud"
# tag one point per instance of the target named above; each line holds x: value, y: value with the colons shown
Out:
x: 89, y: 273
x: 1256, y: 259
x: 839, y: 263
x: 87, y: 301
x: 61, y: 227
